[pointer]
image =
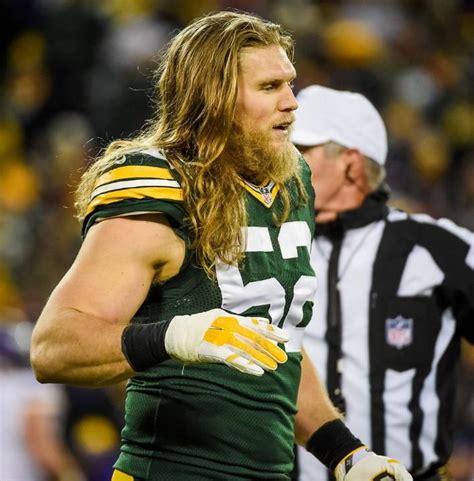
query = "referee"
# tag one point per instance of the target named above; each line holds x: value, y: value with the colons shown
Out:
x: 395, y: 292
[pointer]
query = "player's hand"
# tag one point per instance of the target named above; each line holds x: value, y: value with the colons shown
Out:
x: 248, y: 344
x: 364, y: 465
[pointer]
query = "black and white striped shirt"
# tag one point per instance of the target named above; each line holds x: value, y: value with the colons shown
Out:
x: 401, y: 290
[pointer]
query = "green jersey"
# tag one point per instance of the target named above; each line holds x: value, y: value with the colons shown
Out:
x: 206, y: 421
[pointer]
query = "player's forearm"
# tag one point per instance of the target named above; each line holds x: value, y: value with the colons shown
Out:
x: 76, y: 348
x: 309, y: 421
x: 314, y: 406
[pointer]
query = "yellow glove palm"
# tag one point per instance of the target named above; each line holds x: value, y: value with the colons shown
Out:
x: 243, y: 343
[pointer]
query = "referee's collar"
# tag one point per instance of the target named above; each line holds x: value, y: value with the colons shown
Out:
x: 373, y: 208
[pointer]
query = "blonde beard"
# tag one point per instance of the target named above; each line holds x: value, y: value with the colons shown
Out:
x: 253, y: 157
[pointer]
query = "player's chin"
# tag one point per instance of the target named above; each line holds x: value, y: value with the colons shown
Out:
x: 280, y: 134
x: 280, y: 141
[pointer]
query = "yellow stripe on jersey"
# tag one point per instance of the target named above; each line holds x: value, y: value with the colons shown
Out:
x: 266, y: 199
x: 159, y: 193
x: 133, y: 171
x: 275, y: 190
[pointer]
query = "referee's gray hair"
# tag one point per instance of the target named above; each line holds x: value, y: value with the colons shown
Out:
x: 375, y: 172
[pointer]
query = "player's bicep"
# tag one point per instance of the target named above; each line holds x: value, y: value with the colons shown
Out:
x: 116, y: 265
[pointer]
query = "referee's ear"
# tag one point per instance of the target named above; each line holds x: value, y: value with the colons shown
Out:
x: 356, y: 173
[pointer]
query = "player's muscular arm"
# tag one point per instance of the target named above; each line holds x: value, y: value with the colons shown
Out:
x: 77, y: 338
x: 314, y: 405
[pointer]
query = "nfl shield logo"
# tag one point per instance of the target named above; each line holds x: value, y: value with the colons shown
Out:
x: 267, y: 197
x: 399, y: 332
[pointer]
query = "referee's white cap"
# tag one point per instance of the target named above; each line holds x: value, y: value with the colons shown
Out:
x: 347, y: 118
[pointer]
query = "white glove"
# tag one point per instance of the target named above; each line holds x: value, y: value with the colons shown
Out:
x: 248, y: 344
x: 364, y: 465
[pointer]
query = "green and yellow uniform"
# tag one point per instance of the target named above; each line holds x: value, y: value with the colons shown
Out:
x: 207, y: 421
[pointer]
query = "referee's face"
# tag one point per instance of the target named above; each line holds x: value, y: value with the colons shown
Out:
x: 339, y: 180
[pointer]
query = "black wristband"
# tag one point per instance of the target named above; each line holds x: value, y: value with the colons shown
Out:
x: 144, y: 344
x: 332, y: 442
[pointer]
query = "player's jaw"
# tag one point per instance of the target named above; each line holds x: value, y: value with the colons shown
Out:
x: 260, y: 155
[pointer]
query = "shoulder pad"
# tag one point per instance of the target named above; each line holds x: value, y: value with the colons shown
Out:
x: 139, y: 175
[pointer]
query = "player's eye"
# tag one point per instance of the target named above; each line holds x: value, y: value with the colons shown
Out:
x: 269, y: 87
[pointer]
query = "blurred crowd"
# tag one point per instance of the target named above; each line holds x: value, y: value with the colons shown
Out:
x: 76, y: 74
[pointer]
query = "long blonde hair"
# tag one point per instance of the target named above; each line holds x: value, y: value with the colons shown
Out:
x: 196, y: 92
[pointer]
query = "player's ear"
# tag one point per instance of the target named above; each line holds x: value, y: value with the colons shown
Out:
x: 356, y: 173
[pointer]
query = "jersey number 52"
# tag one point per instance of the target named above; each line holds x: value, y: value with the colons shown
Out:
x: 285, y: 310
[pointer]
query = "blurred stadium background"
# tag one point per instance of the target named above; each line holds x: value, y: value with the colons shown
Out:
x: 76, y: 73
